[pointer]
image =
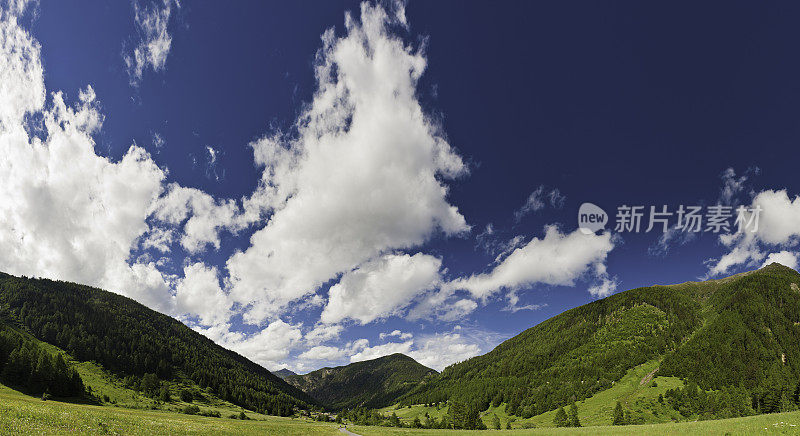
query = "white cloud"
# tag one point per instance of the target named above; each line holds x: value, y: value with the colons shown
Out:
x: 779, y: 222
x: 323, y: 333
x: 155, y: 41
x: 201, y: 216
x: 604, y: 288
x: 322, y: 352
x: 270, y: 347
x: 68, y: 213
x: 21, y: 73
x: 538, y: 200
x: 386, y: 349
x: 732, y: 185
x: 435, y: 351
x: 674, y: 236
x: 440, y: 350
x: 361, y: 178
x: 397, y: 334
x: 778, y: 227
x: 158, y: 140
x: 514, y: 307
x: 558, y: 259
x: 785, y: 258
x: 381, y: 287
x: 456, y: 310
x: 198, y: 293
x: 159, y: 239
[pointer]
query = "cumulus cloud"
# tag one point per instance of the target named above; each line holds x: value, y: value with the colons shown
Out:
x: 381, y: 287
x: 68, y: 213
x: 323, y: 333
x: 557, y: 259
x: 322, y: 352
x: 154, y: 39
x: 441, y: 350
x: 539, y: 199
x: 785, y: 258
x: 778, y: 228
x: 21, y: 74
x: 270, y: 347
x: 362, y: 177
x: 201, y: 217
x: 443, y: 305
x: 199, y: 293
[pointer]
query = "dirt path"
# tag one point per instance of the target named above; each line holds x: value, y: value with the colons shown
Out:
x: 646, y: 379
x: 348, y: 432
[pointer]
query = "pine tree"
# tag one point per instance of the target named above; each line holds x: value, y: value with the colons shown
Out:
x: 150, y: 384
x: 619, y: 415
x: 164, y: 395
x: 496, y: 422
x: 573, y: 416
x: 561, y: 419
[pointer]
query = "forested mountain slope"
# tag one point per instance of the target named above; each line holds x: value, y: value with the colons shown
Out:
x: 371, y: 383
x: 129, y: 339
x: 740, y: 334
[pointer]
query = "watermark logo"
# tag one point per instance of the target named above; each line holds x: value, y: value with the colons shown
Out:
x: 635, y: 219
x: 591, y: 218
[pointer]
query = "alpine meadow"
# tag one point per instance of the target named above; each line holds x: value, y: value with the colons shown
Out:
x: 399, y: 217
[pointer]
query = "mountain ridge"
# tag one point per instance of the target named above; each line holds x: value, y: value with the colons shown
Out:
x: 131, y: 340
x: 349, y: 386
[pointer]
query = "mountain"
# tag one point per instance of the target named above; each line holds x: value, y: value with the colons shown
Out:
x: 372, y: 383
x: 735, y: 342
x: 138, y: 344
x: 283, y: 373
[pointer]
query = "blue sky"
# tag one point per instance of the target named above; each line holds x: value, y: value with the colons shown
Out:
x: 316, y: 183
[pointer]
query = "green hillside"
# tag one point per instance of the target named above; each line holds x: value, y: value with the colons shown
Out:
x: 733, y: 341
x: 140, y: 347
x: 371, y: 383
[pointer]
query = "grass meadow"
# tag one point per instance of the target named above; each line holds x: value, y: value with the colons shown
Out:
x: 24, y: 415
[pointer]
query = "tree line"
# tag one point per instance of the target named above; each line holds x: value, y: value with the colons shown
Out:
x: 24, y: 365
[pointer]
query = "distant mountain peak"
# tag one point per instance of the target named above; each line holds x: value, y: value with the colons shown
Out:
x: 371, y: 383
x: 283, y: 373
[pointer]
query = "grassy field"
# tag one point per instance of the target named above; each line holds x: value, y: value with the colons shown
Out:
x: 407, y: 414
x: 24, y: 415
x: 773, y: 424
x: 635, y: 391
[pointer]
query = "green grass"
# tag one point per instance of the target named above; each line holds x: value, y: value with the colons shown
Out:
x: 640, y: 399
x: 22, y: 414
x: 771, y: 424
x: 407, y: 414
x: 104, y: 384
